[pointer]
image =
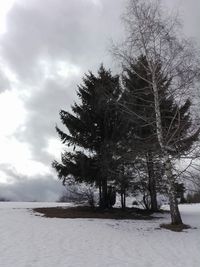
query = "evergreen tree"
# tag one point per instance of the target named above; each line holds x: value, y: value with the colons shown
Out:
x: 138, y: 99
x: 94, y: 128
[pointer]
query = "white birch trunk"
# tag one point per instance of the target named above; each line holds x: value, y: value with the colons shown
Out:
x: 174, y: 210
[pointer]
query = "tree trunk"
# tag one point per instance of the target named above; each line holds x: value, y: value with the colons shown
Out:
x: 174, y: 210
x: 100, y: 193
x: 152, y: 182
x: 173, y: 202
x: 182, y: 198
x: 123, y: 200
x: 104, y: 195
x: 145, y: 202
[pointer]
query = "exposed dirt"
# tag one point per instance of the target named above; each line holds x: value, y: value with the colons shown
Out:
x: 87, y: 212
x: 175, y: 227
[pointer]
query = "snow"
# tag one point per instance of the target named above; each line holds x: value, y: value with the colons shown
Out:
x: 28, y: 240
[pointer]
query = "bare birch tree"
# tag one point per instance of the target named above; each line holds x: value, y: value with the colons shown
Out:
x: 157, y: 37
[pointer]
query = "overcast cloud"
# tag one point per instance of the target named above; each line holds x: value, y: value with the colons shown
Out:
x: 44, y: 52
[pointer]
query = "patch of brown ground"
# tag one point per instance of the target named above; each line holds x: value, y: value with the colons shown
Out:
x: 87, y: 212
x: 175, y: 228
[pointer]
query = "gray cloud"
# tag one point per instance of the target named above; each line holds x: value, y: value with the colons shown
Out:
x: 4, y: 82
x: 35, y: 189
x: 188, y: 11
x: 76, y: 31
x: 43, y: 115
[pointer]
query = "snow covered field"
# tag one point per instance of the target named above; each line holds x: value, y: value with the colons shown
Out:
x: 27, y: 240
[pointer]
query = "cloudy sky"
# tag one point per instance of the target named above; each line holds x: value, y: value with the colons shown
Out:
x: 45, y: 48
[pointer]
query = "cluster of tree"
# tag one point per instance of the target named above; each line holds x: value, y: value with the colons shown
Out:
x: 3, y: 199
x: 129, y: 130
x: 193, y: 198
x: 113, y: 133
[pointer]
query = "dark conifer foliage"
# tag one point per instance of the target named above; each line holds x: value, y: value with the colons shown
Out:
x: 94, y: 128
x: 138, y: 103
x: 138, y: 98
x: 113, y: 133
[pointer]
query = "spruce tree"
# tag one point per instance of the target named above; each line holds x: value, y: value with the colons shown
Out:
x: 94, y: 127
x: 138, y: 99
